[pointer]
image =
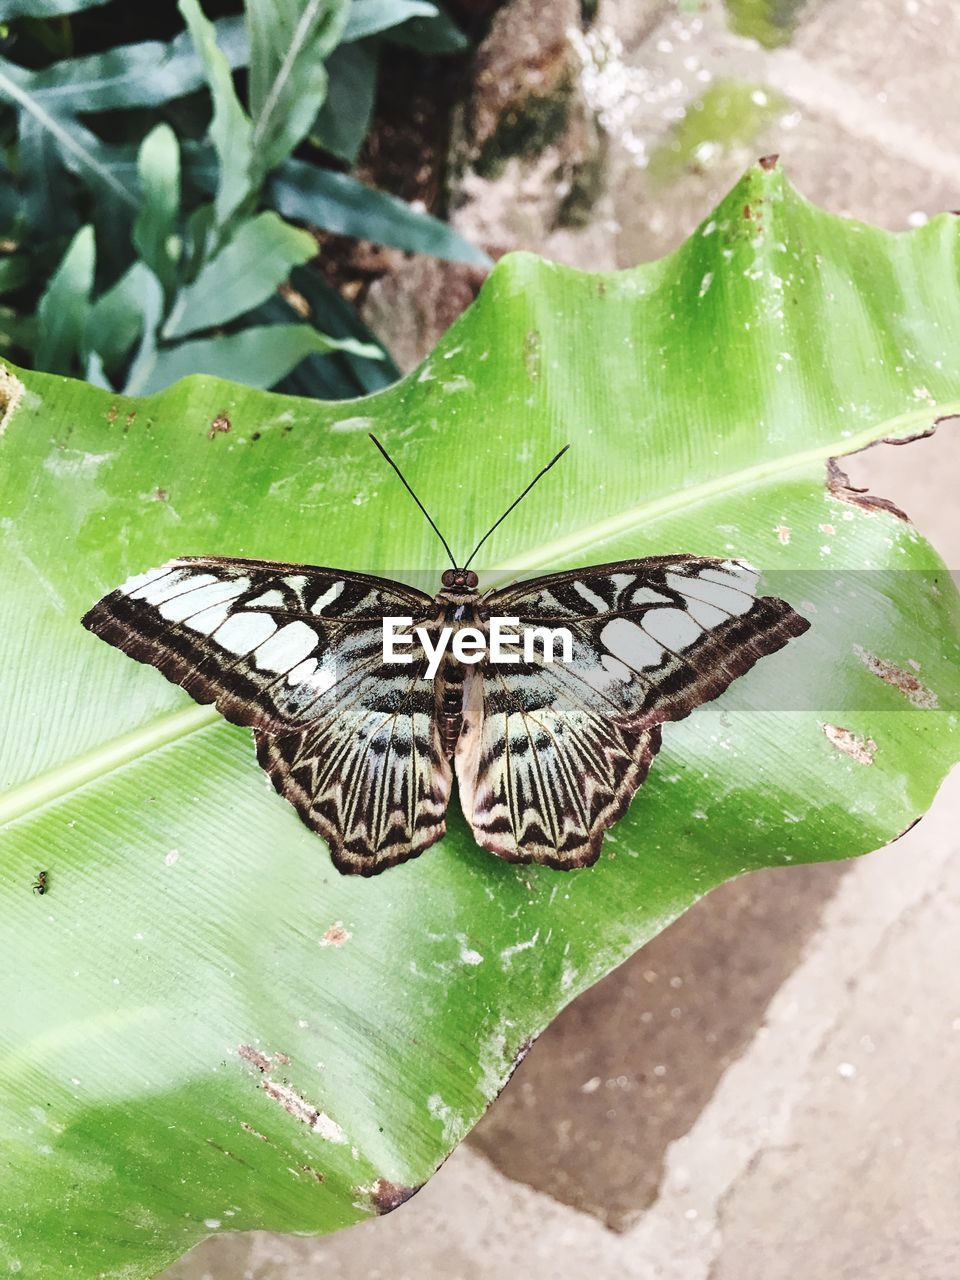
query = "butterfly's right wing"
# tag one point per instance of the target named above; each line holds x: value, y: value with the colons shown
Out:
x: 551, y: 753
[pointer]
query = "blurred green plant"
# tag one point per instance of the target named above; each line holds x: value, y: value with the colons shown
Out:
x: 148, y: 191
x: 769, y: 22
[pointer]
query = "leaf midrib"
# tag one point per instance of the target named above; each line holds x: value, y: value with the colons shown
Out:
x: 37, y: 793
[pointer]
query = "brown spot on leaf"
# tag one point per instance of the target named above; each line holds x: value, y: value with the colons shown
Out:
x: 255, y: 1057
x: 336, y: 935
x: 385, y: 1196
x: 219, y: 426
x: 161, y: 495
x: 224, y: 1152
x: 747, y: 212
x: 248, y: 1128
x: 282, y: 1058
x: 130, y: 419
x: 839, y: 487
x: 769, y: 162
x: 783, y: 534
x: 313, y: 1173
x: 850, y: 744
x: 912, y: 689
x: 112, y: 413
x: 298, y: 1107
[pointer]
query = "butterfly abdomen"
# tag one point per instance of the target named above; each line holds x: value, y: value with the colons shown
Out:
x: 449, y: 691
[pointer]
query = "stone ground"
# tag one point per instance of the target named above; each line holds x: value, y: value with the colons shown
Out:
x: 799, y: 1117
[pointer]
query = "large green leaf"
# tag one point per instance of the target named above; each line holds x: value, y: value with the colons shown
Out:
x: 205, y: 1027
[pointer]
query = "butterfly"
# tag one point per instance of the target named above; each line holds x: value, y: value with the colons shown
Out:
x: 547, y: 754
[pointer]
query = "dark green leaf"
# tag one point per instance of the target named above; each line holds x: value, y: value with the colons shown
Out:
x: 15, y: 270
x: 65, y: 308
x: 230, y: 128
x: 257, y: 259
x: 339, y: 203
x: 141, y: 367
x: 45, y: 188
x: 339, y: 376
x: 368, y: 17
x: 289, y: 43
x: 256, y: 357
x: 430, y: 35
x: 10, y: 9
x: 344, y: 118
x: 147, y: 74
x: 117, y: 318
x: 77, y: 145
x: 155, y: 229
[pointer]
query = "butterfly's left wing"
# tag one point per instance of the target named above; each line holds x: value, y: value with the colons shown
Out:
x: 295, y: 652
x: 552, y: 753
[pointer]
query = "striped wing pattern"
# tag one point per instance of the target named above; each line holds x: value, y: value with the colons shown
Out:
x: 552, y: 754
x: 296, y: 653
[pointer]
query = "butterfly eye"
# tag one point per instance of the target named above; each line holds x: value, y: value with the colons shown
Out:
x: 449, y: 577
x: 470, y: 580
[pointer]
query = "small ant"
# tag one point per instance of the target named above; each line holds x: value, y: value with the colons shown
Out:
x: 40, y: 884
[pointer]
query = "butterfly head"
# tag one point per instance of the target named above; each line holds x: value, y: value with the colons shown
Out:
x: 465, y: 579
x: 459, y: 585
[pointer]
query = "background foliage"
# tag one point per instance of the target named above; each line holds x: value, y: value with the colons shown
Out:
x: 150, y: 187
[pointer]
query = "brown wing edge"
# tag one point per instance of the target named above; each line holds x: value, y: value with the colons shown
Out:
x: 767, y: 627
x: 274, y: 755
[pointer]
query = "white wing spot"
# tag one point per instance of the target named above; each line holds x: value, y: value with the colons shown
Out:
x: 192, y: 599
x: 208, y: 621
x: 673, y: 628
x: 708, y: 615
x: 647, y: 595
x: 615, y: 666
x: 733, y: 600
x: 332, y: 593
x: 245, y: 631
x: 631, y: 644
x: 143, y: 579
x: 170, y: 584
x: 288, y: 647
x: 591, y: 597
x: 269, y: 600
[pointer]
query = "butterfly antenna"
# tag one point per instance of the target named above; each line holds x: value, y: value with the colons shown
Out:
x: 430, y: 519
x: 538, y: 476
